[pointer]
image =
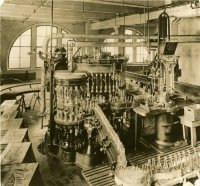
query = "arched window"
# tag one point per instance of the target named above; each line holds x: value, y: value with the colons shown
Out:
x: 129, y: 51
x: 70, y: 45
x: 112, y: 50
x: 42, y: 32
x: 18, y: 57
x: 141, y: 52
x: 136, y: 54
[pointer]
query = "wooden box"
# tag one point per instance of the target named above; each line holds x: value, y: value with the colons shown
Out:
x: 17, y: 153
x: 12, y: 124
x: 192, y: 112
x: 14, y: 136
x: 26, y: 174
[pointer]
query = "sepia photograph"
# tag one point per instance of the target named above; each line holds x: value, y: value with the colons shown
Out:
x: 100, y: 92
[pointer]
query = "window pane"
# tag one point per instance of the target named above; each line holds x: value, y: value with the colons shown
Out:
x: 25, y: 62
x: 54, y: 42
x: 128, y: 32
x: 110, y: 40
x: 19, y: 51
x: 111, y: 50
x: 39, y: 62
x: 65, y: 41
x: 17, y: 42
x: 129, y: 53
x: 41, y: 31
x: 25, y: 41
x: 45, y: 30
x: 128, y: 40
x: 138, y: 50
x: 63, y: 31
x: 48, y: 30
x: 138, y: 58
x: 27, y: 33
x: 24, y: 51
x: 13, y: 62
x: 40, y: 40
x: 15, y: 52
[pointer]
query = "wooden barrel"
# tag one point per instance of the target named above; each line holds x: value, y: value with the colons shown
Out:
x: 165, y: 130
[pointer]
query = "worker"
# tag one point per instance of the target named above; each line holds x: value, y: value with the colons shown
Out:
x: 62, y: 62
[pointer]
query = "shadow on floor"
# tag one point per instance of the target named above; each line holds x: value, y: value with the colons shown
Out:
x: 53, y: 174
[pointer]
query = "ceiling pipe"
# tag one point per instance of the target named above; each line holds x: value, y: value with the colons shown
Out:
x: 83, y: 36
x: 179, y: 38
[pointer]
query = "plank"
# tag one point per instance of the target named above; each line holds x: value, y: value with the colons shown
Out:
x: 26, y: 174
x: 15, y: 136
x: 11, y: 124
x: 17, y: 153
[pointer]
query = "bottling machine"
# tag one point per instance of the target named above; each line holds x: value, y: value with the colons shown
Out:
x: 96, y: 112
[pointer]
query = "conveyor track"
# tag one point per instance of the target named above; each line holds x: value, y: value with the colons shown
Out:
x: 102, y: 175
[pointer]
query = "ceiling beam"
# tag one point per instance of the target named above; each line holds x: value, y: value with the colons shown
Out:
x: 28, y: 8
x: 44, y: 14
x: 45, y: 20
x: 114, y: 3
x: 179, y: 11
x: 73, y: 20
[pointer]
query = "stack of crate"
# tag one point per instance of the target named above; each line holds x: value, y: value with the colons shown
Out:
x: 18, y: 163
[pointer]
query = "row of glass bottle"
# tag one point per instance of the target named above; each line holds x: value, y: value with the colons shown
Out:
x: 105, y: 82
x: 180, y: 163
x: 113, y: 136
x: 75, y: 110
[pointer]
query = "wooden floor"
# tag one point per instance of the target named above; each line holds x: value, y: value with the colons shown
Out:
x: 102, y: 175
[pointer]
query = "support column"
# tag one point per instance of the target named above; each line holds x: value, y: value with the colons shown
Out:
x: 88, y: 31
x: 134, y: 50
x: 116, y: 30
x: 85, y: 51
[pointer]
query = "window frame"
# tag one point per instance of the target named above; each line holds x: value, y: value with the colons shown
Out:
x: 33, y: 45
x: 13, y: 42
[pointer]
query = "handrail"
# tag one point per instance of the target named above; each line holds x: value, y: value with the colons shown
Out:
x: 19, y: 85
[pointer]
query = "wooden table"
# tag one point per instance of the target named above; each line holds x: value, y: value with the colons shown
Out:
x: 17, y: 153
x: 11, y: 124
x: 192, y: 125
x: 14, y: 136
x: 26, y: 174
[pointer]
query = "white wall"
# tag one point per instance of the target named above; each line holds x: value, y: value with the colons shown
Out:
x: 189, y: 52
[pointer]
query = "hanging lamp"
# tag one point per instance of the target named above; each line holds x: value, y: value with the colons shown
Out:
x: 148, y: 59
x: 163, y: 26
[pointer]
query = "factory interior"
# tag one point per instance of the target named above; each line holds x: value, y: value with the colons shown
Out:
x: 100, y: 92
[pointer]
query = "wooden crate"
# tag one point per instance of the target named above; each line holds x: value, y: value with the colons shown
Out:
x: 17, y: 153
x: 26, y: 174
x: 15, y: 136
x: 11, y: 124
x: 192, y: 112
x: 9, y: 110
